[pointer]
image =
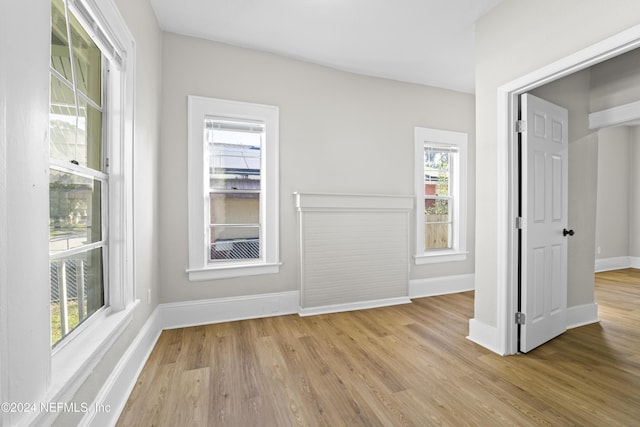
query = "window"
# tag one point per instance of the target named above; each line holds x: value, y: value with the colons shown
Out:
x: 233, y: 202
x: 441, y: 163
x: 90, y: 219
x: 78, y: 178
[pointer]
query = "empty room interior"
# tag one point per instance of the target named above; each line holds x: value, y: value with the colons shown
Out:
x: 319, y: 213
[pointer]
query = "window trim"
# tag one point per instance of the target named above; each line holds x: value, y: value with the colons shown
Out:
x: 199, y: 267
x: 458, y: 252
x: 75, y: 355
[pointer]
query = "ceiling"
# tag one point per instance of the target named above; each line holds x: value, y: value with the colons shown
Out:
x: 427, y: 42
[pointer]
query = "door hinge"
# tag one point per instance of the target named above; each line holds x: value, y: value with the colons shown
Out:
x: 520, y: 318
x: 518, y: 223
x: 521, y: 126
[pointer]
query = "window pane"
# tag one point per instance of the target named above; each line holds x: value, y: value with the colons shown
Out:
x: 89, y: 144
x: 62, y: 121
x: 234, y: 180
x: 75, y: 136
x: 88, y: 62
x: 235, y: 208
x: 436, y: 207
x: 234, y: 160
x: 74, y: 211
x: 437, y: 224
x: 235, y: 242
x: 77, y: 291
x: 60, y: 57
x: 437, y: 171
x: 437, y: 236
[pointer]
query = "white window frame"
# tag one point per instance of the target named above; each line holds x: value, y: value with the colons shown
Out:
x: 73, y: 357
x: 200, y: 268
x: 443, y: 138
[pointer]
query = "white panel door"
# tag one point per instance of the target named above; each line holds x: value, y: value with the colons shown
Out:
x: 544, y: 221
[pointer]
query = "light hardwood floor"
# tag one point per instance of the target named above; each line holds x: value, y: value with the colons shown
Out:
x: 402, y: 365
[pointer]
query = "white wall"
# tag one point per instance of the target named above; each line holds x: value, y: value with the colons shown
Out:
x: 613, y: 208
x: 24, y: 234
x: 634, y: 195
x: 514, y: 39
x: 613, y: 83
x: 24, y: 210
x: 339, y: 132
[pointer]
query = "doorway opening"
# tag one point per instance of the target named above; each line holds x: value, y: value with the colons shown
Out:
x: 508, y: 169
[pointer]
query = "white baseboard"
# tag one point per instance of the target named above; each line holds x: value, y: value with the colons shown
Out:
x: 484, y: 335
x: 615, y: 263
x: 487, y: 336
x: 634, y: 262
x: 441, y: 285
x: 363, y: 305
x: 204, y: 312
x: 581, y: 315
x: 110, y: 401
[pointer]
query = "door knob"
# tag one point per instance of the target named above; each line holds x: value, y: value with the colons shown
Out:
x: 569, y: 232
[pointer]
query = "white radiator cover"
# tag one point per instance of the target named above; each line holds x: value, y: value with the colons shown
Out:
x: 353, y: 250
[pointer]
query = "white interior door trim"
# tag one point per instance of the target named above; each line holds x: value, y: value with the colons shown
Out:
x: 507, y: 195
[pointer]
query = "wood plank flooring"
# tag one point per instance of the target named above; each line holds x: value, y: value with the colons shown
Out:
x: 406, y: 365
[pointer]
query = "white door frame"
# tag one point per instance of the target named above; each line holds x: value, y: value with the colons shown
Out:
x: 507, y: 172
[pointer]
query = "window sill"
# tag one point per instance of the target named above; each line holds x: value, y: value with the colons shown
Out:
x: 440, y: 256
x: 235, y: 270
x: 74, y: 358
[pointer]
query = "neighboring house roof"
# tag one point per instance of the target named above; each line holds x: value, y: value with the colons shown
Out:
x: 236, y: 159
